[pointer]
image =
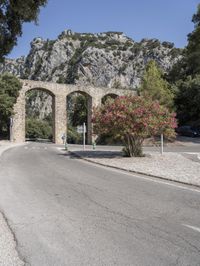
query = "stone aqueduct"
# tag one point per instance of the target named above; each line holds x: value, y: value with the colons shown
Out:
x: 59, y: 93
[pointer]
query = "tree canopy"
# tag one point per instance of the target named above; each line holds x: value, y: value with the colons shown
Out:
x: 193, y: 47
x: 186, y: 76
x: 153, y: 85
x: 188, y: 100
x: 189, y: 63
x: 13, y: 13
x: 9, y: 91
x: 133, y: 118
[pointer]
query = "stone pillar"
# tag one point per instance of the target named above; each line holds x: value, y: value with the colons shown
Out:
x: 60, y: 118
x: 18, y: 128
x: 92, y: 102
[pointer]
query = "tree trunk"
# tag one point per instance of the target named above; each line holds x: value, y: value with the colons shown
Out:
x: 133, y: 146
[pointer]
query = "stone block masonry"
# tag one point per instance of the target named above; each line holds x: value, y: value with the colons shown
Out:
x: 59, y: 93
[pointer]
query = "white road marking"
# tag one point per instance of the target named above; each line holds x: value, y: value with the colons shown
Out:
x: 45, y: 148
x: 60, y: 148
x: 192, y: 227
x: 26, y: 148
x: 149, y: 179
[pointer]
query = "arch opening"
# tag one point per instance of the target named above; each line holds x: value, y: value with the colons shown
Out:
x: 79, y: 105
x: 39, y: 115
x: 108, y: 96
x: 108, y: 139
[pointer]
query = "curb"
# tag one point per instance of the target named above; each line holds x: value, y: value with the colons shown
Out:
x: 132, y: 171
x: 7, y: 147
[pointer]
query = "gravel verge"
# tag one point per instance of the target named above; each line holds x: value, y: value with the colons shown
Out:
x: 8, y: 252
x: 170, y: 166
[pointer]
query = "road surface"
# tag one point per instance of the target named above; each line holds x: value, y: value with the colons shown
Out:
x: 64, y: 211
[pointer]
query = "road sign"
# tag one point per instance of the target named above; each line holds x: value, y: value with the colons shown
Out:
x: 80, y: 129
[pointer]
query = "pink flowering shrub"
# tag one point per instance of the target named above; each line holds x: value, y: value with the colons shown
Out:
x: 133, y: 118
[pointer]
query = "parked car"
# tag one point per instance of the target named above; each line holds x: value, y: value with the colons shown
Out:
x: 188, y: 131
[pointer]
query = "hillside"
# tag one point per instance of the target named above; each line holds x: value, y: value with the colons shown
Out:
x: 105, y: 59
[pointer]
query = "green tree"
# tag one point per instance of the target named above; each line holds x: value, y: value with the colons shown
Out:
x: 13, y: 13
x: 153, y: 85
x: 186, y: 76
x: 193, y: 47
x: 77, y: 109
x: 133, y: 118
x: 189, y: 63
x: 188, y: 99
x: 9, y: 91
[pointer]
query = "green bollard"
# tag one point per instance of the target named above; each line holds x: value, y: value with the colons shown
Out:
x: 66, y: 146
x: 94, y: 145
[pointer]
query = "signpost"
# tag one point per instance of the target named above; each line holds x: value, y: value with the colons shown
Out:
x: 161, y: 144
x: 82, y: 130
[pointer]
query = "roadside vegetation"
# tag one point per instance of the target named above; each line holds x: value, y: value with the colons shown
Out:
x: 9, y: 91
x: 133, y: 118
x: 38, y: 129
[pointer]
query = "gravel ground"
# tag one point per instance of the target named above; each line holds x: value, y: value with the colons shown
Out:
x: 183, y: 168
x: 8, y: 252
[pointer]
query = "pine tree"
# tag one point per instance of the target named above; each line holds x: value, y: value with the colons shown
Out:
x: 154, y: 86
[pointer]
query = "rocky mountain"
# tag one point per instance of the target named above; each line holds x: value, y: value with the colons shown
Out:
x: 105, y: 59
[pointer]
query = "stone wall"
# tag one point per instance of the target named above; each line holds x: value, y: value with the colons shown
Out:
x: 59, y: 93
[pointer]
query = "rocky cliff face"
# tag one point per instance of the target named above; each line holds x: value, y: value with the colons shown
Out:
x: 106, y: 59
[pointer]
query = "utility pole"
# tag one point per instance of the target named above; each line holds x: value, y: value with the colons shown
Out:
x: 161, y: 144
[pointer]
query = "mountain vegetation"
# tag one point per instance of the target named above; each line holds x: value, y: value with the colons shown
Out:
x: 108, y: 59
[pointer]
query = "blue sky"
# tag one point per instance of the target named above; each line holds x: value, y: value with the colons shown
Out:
x: 167, y: 20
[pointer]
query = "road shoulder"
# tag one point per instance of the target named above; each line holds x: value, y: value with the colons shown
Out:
x: 8, y: 245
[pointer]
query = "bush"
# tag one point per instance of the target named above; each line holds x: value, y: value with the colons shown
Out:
x: 36, y: 129
x: 73, y: 137
x: 133, y: 118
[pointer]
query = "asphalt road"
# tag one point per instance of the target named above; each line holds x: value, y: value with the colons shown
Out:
x: 64, y: 211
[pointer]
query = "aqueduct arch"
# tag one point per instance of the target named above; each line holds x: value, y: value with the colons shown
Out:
x: 59, y: 93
